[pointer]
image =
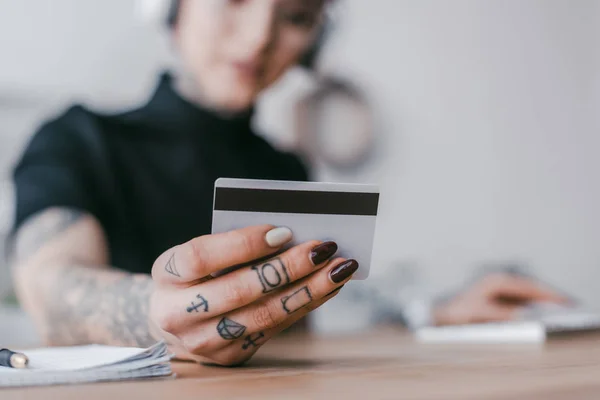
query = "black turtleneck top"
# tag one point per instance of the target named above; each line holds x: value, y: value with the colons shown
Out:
x: 146, y: 175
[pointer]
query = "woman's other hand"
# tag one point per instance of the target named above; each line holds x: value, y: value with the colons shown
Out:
x: 496, y: 297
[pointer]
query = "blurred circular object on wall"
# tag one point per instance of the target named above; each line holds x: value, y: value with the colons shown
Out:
x: 334, y: 124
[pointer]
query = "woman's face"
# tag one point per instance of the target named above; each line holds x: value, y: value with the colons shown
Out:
x: 233, y: 49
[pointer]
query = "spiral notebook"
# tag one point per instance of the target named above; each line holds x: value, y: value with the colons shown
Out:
x: 83, y: 364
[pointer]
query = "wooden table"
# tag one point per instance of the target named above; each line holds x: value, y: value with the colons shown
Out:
x: 381, y: 365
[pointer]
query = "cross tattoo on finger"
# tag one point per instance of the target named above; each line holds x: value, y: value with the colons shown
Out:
x: 251, y: 341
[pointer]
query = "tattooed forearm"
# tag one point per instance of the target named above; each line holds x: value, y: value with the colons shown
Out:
x: 42, y: 227
x: 87, y: 305
x: 63, y: 281
x: 272, y: 275
x: 296, y: 300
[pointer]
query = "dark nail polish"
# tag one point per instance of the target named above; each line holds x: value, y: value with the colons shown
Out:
x: 323, y: 252
x: 343, y: 271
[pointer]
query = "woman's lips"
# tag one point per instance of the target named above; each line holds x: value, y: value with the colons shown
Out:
x: 248, y: 69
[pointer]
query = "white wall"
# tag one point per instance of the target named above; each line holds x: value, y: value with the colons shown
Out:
x: 491, y: 149
x: 77, y: 47
x: 487, y: 112
x: 596, y: 87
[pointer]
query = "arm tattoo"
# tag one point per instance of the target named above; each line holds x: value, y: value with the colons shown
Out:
x: 87, y: 305
x: 272, y: 275
x: 296, y: 300
x: 251, y: 341
x: 80, y: 304
x: 42, y: 227
x: 171, y: 268
x: 202, y: 304
x: 229, y: 329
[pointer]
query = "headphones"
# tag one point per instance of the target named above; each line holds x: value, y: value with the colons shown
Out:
x: 307, y: 61
x: 172, y: 13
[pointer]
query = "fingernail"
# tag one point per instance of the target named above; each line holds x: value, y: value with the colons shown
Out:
x: 323, y: 252
x: 278, y: 237
x: 343, y: 271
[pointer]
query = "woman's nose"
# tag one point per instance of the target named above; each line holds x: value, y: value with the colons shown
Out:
x: 258, y: 29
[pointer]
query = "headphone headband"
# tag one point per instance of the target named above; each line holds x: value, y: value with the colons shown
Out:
x: 173, y: 12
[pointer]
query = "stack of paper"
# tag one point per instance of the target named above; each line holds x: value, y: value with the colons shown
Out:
x: 95, y: 363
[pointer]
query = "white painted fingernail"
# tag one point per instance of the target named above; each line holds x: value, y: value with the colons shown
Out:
x: 278, y: 237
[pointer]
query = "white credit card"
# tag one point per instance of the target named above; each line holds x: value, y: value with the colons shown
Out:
x: 343, y: 213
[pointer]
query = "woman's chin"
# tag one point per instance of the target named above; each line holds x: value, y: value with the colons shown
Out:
x: 229, y: 95
x: 231, y: 91
x: 238, y: 101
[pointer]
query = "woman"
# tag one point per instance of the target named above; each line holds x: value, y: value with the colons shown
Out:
x: 103, y: 200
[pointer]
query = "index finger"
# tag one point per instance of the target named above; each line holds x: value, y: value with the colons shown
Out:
x: 208, y: 254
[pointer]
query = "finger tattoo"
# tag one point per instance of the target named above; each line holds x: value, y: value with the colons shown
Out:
x: 171, y: 268
x: 296, y: 300
x: 229, y: 329
x: 196, y: 306
x: 251, y: 341
x: 272, y: 274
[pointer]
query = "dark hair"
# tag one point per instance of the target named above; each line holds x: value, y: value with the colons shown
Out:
x: 307, y: 61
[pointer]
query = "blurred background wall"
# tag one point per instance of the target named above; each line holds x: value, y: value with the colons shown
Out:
x: 487, y: 118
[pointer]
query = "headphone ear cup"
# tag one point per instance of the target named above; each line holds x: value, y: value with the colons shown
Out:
x: 172, y: 13
x: 311, y: 56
